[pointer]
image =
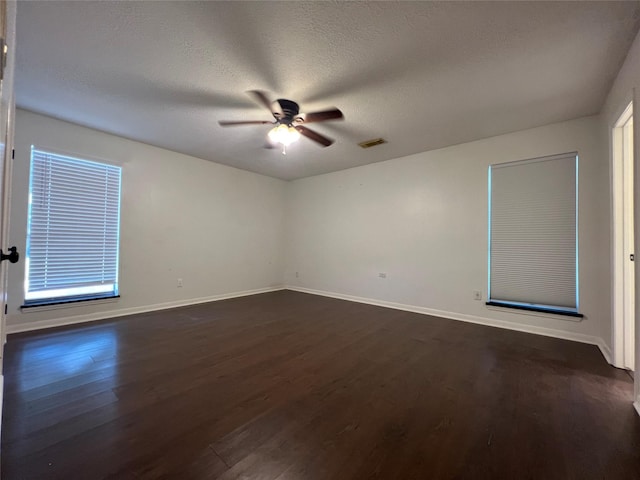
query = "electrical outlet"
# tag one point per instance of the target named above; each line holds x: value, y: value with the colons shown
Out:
x: 179, y: 282
x: 382, y: 275
x: 297, y: 275
x: 477, y: 295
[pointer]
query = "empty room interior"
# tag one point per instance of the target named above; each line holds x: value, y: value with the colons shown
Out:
x: 319, y: 240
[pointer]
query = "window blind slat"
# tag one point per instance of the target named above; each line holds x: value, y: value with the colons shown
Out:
x: 533, y: 232
x: 74, y: 215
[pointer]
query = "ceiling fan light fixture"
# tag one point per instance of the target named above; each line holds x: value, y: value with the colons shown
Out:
x: 284, y: 134
x: 294, y: 135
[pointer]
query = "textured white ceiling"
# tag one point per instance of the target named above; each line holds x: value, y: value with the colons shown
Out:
x: 422, y: 75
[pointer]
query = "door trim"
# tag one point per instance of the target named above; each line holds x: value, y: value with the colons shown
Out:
x: 619, y: 255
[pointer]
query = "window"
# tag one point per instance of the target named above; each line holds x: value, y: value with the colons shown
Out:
x: 72, y: 230
x: 533, y: 242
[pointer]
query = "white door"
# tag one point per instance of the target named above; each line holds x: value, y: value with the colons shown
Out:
x: 7, y: 110
x: 629, y: 267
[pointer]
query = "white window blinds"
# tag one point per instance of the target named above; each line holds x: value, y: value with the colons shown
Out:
x: 73, y: 228
x: 533, y: 242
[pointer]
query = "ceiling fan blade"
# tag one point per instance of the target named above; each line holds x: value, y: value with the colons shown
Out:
x: 333, y: 114
x: 261, y: 97
x: 315, y: 136
x: 250, y: 122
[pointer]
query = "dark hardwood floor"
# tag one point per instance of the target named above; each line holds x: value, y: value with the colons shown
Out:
x: 291, y: 386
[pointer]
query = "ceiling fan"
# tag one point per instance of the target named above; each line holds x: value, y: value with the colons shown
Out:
x: 289, y: 122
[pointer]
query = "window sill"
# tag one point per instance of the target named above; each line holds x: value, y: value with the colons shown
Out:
x: 537, y: 311
x: 55, y: 305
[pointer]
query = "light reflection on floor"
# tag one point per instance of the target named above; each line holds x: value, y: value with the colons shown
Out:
x: 92, y: 353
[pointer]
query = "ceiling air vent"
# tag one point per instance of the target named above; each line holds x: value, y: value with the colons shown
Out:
x: 372, y: 143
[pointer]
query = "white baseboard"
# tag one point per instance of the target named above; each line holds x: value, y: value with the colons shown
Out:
x: 490, y: 322
x: 58, y: 322
x: 70, y: 320
x: 606, y: 352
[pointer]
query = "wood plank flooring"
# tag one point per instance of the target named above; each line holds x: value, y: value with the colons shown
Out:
x: 290, y: 386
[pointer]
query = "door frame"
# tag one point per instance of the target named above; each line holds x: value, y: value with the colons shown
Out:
x: 7, y: 113
x: 636, y: 191
x: 623, y: 294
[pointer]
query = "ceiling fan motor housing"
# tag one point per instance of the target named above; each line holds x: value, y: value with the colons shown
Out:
x: 290, y: 110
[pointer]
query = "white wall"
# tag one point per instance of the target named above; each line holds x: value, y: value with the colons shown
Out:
x: 422, y: 220
x: 626, y: 88
x: 218, y: 228
x: 621, y: 92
